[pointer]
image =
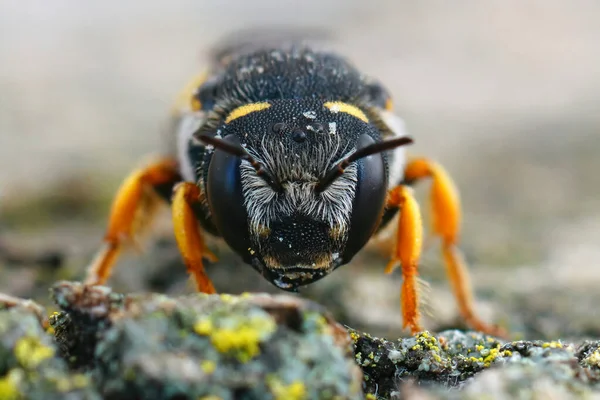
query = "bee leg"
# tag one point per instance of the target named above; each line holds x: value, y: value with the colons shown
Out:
x: 188, y: 235
x: 131, y: 210
x: 446, y: 215
x: 407, y: 252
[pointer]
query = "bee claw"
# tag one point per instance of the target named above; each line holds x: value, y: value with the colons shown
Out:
x: 207, y: 254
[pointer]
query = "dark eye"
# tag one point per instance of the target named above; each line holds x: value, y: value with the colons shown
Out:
x: 226, y: 200
x: 369, y: 200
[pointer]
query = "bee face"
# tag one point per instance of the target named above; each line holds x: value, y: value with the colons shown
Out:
x: 276, y: 215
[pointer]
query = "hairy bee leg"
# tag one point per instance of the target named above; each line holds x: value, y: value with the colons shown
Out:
x: 188, y: 235
x: 407, y: 252
x: 446, y: 215
x: 133, y: 198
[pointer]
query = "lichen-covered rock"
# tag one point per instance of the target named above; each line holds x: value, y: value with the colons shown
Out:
x: 29, y: 365
x: 197, y: 346
x: 477, y: 365
x: 261, y: 346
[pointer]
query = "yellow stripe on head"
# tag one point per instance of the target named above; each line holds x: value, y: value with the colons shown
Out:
x: 340, y: 106
x: 389, y: 104
x: 186, y: 98
x: 245, y: 110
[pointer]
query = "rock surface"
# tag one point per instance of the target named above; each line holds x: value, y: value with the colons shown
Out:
x: 475, y: 365
x: 103, y: 344
x: 250, y: 346
x: 29, y: 364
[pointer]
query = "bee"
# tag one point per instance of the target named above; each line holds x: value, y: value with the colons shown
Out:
x: 296, y: 159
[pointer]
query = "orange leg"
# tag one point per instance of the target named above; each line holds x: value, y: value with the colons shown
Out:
x: 188, y: 235
x: 446, y: 214
x: 407, y: 252
x: 131, y: 210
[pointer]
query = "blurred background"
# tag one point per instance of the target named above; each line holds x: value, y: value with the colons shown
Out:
x: 505, y: 94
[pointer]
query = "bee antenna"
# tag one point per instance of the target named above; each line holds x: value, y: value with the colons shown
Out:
x: 238, y: 151
x: 374, y: 148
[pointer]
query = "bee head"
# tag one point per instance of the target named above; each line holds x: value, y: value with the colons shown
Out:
x: 297, y: 187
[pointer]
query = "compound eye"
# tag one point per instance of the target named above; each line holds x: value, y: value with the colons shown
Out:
x: 369, y: 199
x: 226, y: 199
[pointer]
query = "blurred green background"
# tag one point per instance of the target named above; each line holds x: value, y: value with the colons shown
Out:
x: 505, y: 94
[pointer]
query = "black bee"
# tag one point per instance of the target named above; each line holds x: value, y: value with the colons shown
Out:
x: 294, y: 157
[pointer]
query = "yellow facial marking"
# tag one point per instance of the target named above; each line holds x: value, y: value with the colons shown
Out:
x: 389, y: 105
x: 245, y: 110
x: 339, y: 106
x: 186, y: 97
x: 195, y: 104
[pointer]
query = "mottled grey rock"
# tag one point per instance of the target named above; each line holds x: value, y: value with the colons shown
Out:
x: 454, y: 364
x: 233, y: 347
x: 259, y: 346
x: 29, y: 365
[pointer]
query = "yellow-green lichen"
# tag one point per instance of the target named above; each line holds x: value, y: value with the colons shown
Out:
x: 242, y: 338
x: 475, y: 360
x: 593, y: 360
x: 208, y: 366
x: 316, y: 321
x: 354, y: 336
x: 370, y: 396
x: 210, y: 397
x: 204, y: 327
x: 63, y: 385
x: 294, y: 391
x: 426, y: 341
x: 68, y: 383
x: 552, y: 345
x: 80, y: 381
x: 129, y: 374
x: 8, y: 388
x: 491, y: 355
x: 30, y: 352
x: 227, y: 298
x: 358, y: 357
